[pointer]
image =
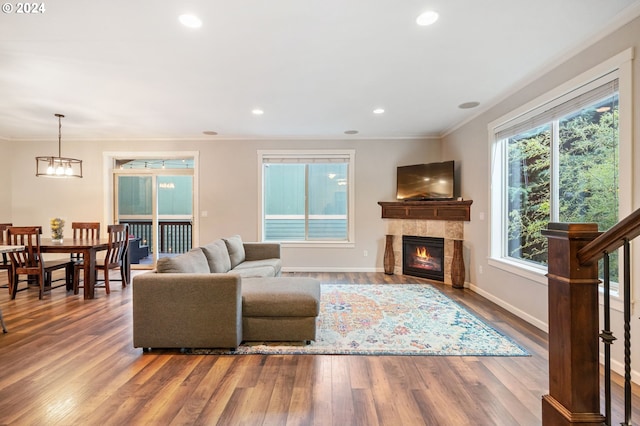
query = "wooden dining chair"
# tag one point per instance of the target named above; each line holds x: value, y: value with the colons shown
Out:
x: 114, y: 258
x: 84, y: 231
x: 5, y: 261
x: 30, y: 261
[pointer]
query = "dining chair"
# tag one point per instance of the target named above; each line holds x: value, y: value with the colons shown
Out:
x: 114, y: 258
x: 84, y: 231
x: 5, y: 262
x: 30, y: 261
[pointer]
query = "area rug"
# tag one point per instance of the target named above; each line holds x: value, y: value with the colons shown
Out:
x: 391, y: 319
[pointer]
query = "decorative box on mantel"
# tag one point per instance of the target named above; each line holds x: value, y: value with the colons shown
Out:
x: 442, y: 219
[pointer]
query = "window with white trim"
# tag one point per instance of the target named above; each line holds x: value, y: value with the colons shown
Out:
x: 558, y: 160
x: 307, y: 196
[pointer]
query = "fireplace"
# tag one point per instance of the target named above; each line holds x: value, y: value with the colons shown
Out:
x: 423, y: 257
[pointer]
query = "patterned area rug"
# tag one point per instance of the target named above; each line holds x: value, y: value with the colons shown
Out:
x: 392, y: 319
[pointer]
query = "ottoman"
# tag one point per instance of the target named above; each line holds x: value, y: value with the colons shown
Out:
x: 282, y: 309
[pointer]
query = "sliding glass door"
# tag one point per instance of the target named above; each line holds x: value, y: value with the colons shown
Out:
x: 157, y: 204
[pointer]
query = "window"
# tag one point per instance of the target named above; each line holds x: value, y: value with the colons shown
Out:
x: 306, y: 196
x: 558, y: 159
x: 565, y: 170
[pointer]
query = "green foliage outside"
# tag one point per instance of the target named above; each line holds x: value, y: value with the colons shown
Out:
x: 587, y: 156
x: 529, y: 194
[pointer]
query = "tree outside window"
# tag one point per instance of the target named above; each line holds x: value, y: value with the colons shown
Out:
x: 563, y: 171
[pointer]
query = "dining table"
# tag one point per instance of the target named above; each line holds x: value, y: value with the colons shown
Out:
x: 88, y: 248
x: 9, y: 248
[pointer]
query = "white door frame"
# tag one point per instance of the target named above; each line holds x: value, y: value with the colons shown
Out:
x: 108, y: 181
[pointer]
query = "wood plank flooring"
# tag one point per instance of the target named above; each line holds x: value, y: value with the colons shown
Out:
x: 70, y: 361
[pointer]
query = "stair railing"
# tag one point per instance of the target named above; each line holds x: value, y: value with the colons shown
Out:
x: 574, y: 388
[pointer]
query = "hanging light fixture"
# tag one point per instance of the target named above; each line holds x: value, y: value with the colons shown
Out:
x: 59, y: 167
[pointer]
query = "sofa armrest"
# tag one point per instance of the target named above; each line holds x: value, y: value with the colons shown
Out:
x: 183, y: 310
x: 259, y: 251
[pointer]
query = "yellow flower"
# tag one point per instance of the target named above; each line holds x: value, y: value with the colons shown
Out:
x: 57, y: 223
x: 57, y: 228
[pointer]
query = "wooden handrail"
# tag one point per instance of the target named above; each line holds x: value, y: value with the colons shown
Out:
x: 613, y: 239
x: 574, y: 320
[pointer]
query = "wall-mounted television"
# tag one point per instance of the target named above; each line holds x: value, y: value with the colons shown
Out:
x: 433, y: 181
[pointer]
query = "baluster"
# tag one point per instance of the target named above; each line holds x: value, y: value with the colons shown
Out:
x: 607, y: 338
x: 627, y: 333
x: 174, y: 238
x: 163, y: 236
x: 171, y: 235
x: 167, y: 238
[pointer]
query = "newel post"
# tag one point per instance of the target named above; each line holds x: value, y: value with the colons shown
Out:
x: 574, y: 387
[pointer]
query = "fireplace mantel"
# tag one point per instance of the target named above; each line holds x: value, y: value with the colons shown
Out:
x: 427, y: 210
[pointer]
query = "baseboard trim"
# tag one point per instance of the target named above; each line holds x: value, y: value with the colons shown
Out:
x: 517, y: 312
x: 328, y: 269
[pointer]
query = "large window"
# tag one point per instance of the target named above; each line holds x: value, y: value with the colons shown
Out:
x: 306, y: 196
x: 557, y: 159
x: 565, y: 170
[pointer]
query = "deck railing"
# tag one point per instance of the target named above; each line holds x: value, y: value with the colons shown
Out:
x: 574, y: 351
x: 174, y: 236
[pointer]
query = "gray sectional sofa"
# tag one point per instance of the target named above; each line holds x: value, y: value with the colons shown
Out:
x: 220, y: 294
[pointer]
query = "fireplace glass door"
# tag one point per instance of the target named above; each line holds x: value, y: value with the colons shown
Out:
x: 423, y: 257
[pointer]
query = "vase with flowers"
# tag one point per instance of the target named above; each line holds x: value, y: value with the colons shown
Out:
x: 57, y: 229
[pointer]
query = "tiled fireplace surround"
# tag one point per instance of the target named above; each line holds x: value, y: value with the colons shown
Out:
x: 447, y: 229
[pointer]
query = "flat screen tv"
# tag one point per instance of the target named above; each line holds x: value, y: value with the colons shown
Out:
x: 433, y: 181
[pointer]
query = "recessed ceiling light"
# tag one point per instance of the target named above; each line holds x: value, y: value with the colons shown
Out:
x: 190, y: 21
x: 427, y: 18
x: 469, y: 105
x: 257, y: 111
x: 350, y: 132
x: 378, y: 111
x: 210, y: 133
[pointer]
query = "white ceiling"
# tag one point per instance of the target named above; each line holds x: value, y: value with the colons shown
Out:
x: 129, y: 69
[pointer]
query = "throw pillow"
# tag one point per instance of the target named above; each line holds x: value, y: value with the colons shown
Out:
x: 217, y: 256
x: 193, y: 261
x: 236, y: 250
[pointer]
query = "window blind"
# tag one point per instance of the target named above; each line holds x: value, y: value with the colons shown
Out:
x: 586, y: 95
x: 305, y: 158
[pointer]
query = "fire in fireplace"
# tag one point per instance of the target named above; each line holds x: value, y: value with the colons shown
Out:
x: 423, y: 257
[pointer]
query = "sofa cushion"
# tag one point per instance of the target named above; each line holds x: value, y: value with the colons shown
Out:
x: 194, y: 261
x: 259, y: 268
x: 280, y: 297
x: 235, y: 249
x: 260, y: 271
x: 218, y: 256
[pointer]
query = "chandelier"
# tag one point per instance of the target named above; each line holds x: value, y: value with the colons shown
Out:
x: 58, y: 167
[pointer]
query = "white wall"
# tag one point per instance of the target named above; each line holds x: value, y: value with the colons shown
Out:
x: 5, y: 182
x: 469, y: 146
x: 228, y: 190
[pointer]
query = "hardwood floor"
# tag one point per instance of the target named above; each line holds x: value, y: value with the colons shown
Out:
x: 70, y: 361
